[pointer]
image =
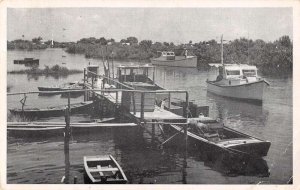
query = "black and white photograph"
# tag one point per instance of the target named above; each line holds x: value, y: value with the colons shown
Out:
x: 155, y: 93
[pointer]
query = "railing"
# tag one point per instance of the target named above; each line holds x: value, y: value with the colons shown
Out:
x: 110, y: 81
x: 142, y: 92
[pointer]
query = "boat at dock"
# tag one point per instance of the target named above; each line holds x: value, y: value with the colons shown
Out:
x: 138, y: 77
x: 27, y: 61
x: 168, y: 58
x: 103, y: 169
x: 237, y: 81
x: 66, y: 86
x: 214, y: 139
x: 52, y: 111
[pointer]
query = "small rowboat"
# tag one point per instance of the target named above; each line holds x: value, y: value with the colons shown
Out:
x: 52, y: 111
x: 103, y: 170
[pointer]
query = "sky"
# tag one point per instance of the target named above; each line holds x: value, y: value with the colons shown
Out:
x: 178, y: 25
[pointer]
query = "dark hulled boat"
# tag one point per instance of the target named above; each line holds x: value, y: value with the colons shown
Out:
x: 53, y: 111
x: 27, y: 61
x: 66, y: 86
x: 214, y: 138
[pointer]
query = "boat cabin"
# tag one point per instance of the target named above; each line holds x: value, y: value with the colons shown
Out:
x: 136, y: 74
x: 236, y: 73
x: 92, y: 69
x: 169, y: 55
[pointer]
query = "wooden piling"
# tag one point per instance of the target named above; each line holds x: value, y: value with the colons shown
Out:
x: 66, y: 142
x: 142, y: 104
x: 133, y: 103
x: 84, y: 84
x: 153, y: 131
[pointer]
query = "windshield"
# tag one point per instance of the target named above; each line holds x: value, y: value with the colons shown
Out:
x: 249, y: 73
x: 233, y: 72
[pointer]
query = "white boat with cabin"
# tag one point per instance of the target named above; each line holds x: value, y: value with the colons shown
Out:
x: 239, y: 81
x: 168, y: 58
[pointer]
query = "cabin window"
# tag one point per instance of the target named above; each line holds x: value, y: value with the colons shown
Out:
x: 233, y: 72
x: 249, y: 73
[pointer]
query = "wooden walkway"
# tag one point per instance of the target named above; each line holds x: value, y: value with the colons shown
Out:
x: 116, y: 97
x: 159, y: 114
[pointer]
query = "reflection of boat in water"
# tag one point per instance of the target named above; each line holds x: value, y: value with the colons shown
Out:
x: 27, y: 61
x: 103, y: 170
x: 168, y: 58
x: 239, y: 81
x: 216, y: 139
x: 52, y: 111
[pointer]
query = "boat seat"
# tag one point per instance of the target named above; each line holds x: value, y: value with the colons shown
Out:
x: 100, y: 169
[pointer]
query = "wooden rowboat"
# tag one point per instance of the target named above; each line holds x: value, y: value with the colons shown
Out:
x: 52, y: 111
x: 103, y: 170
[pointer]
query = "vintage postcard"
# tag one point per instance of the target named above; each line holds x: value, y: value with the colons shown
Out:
x: 159, y: 93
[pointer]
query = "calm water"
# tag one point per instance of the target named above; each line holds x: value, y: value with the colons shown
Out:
x: 41, y: 159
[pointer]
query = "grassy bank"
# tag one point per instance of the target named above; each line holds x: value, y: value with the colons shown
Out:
x: 55, y: 70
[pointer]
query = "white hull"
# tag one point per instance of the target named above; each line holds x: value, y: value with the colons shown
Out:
x: 180, y: 61
x: 249, y: 91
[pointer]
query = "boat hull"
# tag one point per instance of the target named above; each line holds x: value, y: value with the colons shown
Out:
x: 103, y: 170
x: 252, y: 92
x: 180, y: 61
x: 53, y: 112
x: 214, y: 150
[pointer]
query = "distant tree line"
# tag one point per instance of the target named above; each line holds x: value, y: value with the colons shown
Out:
x: 270, y: 57
x: 34, y: 44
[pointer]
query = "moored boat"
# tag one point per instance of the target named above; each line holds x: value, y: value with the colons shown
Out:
x: 66, y: 86
x: 138, y: 77
x: 214, y: 138
x: 238, y: 81
x: 52, y: 111
x: 168, y: 58
x: 103, y: 169
x: 27, y: 61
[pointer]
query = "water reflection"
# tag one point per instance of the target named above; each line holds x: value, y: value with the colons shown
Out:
x: 236, y: 112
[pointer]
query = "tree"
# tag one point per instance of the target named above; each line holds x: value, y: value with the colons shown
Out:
x: 132, y: 40
x: 285, y: 41
x: 37, y: 40
x: 146, y: 44
x: 123, y: 41
x: 103, y: 41
x: 166, y: 44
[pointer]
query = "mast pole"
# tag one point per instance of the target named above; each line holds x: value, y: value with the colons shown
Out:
x: 222, y: 50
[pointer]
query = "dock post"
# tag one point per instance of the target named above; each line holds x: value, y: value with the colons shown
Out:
x: 169, y: 101
x: 133, y: 103
x: 117, y: 97
x: 66, y: 142
x: 153, y: 131
x: 142, y: 105
x: 186, y: 126
x: 84, y: 83
x: 93, y: 86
